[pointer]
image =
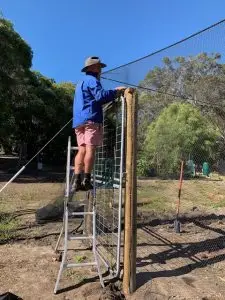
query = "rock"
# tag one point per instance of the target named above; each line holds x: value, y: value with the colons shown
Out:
x: 50, y: 212
x: 54, y: 211
x: 57, y: 257
x: 203, y: 256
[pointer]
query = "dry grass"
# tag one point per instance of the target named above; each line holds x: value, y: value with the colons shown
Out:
x: 20, y: 196
x: 19, y: 201
x: 156, y: 195
x: 162, y: 195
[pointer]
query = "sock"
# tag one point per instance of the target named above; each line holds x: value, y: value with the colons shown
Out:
x: 87, y: 176
x: 78, y: 177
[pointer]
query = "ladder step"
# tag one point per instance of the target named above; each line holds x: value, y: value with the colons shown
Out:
x: 81, y: 213
x: 74, y: 148
x: 80, y: 265
x: 79, y: 237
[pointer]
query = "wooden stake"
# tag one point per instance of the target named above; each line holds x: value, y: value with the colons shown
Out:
x: 130, y: 229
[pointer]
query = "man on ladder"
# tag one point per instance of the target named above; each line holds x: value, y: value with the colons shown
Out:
x: 88, y: 118
x: 87, y: 122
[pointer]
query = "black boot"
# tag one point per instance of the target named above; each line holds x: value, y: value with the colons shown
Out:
x: 87, y: 182
x: 77, y: 185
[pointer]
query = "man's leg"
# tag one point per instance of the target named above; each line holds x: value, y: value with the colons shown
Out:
x: 89, y: 160
x: 93, y: 138
x: 79, y: 159
x: 78, y: 168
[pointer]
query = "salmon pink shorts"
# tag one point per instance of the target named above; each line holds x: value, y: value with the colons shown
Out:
x: 90, y: 134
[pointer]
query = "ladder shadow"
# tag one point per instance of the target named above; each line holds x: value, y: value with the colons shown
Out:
x: 82, y: 282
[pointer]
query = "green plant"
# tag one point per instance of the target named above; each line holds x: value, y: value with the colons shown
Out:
x: 142, y: 167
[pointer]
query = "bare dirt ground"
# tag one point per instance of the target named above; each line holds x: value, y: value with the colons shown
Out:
x: 188, y: 265
x: 28, y: 263
x: 30, y: 271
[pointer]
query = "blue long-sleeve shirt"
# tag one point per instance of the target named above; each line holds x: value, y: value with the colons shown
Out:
x: 88, y: 101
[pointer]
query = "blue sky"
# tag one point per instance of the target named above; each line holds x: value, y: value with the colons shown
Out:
x: 63, y: 33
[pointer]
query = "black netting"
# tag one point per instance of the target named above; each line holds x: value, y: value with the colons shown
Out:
x: 181, y: 117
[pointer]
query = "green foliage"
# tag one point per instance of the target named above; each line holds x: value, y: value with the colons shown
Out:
x: 178, y: 132
x: 142, y: 167
x: 7, y: 226
x: 15, y: 61
x: 200, y: 78
x: 32, y: 107
x: 79, y: 259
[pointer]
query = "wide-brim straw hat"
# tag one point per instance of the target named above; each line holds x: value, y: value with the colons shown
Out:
x: 90, y: 61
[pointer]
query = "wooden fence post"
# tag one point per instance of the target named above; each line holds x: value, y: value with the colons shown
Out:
x: 130, y: 218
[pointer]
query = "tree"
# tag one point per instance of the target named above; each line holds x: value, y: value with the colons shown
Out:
x: 199, y: 80
x: 44, y: 111
x: 32, y: 107
x: 15, y: 61
x: 178, y: 133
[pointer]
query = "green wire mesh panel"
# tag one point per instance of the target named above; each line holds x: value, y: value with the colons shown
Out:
x: 108, y: 178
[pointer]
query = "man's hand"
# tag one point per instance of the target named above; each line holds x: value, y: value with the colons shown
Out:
x: 124, y: 90
x: 121, y: 88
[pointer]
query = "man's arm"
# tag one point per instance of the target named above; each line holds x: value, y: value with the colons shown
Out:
x: 104, y: 96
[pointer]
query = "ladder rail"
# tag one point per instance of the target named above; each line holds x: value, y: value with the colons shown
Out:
x: 68, y: 168
x: 68, y: 197
x: 66, y: 189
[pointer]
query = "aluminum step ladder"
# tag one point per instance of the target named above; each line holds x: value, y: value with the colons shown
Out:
x: 67, y: 214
